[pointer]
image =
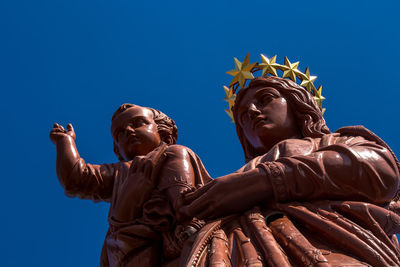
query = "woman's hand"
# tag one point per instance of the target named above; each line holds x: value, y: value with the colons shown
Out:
x: 135, y: 190
x: 137, y: 187
x: 227, y: 195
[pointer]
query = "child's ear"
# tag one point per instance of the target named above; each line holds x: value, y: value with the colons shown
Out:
x: 168, y: 140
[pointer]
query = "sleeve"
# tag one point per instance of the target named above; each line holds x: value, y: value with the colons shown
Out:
x: 177, y: 169
x: 361, y: 170
x: 89, y: 181
x: 177, y: 173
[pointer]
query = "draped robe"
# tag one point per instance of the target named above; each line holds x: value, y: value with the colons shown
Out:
x: 334, y: 203
x: 151, y: 235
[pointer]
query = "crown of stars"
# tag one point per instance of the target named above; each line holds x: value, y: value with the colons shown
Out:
x: 244, y: 71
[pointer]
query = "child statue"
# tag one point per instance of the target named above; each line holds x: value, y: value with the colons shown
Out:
x: 143, y: 189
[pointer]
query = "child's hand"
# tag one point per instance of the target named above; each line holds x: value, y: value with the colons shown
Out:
x: 58, y: 133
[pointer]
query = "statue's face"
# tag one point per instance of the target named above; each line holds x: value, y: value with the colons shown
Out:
x: 136, y: 132
x: 266, y: 118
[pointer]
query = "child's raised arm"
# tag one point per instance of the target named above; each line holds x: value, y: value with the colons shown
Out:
x: 67, y: 154
x: 80, y: 179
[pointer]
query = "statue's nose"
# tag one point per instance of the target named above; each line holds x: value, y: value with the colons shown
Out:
x: 253, y: 111
x: 129, y: 129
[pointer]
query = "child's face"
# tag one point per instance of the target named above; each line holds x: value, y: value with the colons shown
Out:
x: 136, y: 132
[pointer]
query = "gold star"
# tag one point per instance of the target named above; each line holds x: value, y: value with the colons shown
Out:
x: 291, y: 69
x: 308, y: 81
x: 242, y: 71
x: 230, y: 114
x: 230, y: 97
x: 268, y: 66
x: 319, y: 98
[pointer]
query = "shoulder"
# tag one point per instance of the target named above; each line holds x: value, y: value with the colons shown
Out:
x: 360, y: 132
x: 361, y: 136
x: 357, y: 135
x: 178, y: 151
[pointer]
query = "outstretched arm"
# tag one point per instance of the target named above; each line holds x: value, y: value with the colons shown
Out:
x: 348, y: 170
x: 79, y: 179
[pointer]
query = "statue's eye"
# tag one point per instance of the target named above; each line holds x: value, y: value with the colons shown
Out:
x: 140, y: 122
x: 266, y: 99
x: 137, y: 123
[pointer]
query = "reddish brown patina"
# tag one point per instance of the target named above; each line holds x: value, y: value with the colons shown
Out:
x: 305, y: 197
x: 143, y: 188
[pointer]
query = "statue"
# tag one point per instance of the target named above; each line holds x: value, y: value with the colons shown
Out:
x: 143, y: 188
x: 306, y: 196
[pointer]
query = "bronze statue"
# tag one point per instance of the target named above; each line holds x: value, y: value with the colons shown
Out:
x: 306, y: 196
x: 143, y: 188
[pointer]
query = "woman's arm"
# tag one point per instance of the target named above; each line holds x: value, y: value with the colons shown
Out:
x: 361, y: 170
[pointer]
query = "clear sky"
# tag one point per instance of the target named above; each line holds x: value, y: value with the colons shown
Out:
x: 78, y: 60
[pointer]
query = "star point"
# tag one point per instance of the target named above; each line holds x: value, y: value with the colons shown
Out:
x: 230, y: 114
x: 291, y: 69
x: 242, y: 71
x: 230, y: 96
x: 308, y: 80
x: 268, y: 66
x: 318, y: 97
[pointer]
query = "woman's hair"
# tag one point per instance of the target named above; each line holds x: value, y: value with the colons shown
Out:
x: 165, y: 125
x: 306, y: 111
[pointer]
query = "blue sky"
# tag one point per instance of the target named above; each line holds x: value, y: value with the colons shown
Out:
x: 77, y: 61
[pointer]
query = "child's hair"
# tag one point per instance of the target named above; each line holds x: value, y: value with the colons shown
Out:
x: 165, y: 125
